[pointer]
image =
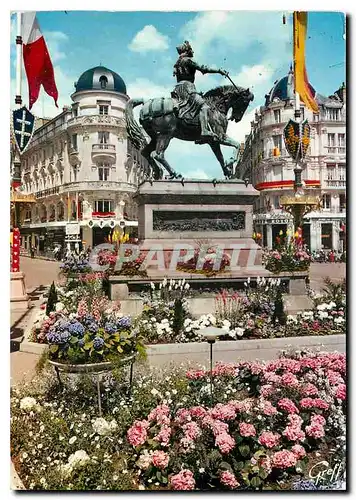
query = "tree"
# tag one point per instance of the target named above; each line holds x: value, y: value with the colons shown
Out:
x: 279, y: 316
x: 52, y: 299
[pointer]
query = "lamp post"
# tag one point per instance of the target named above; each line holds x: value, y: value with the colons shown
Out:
x: 211, y: 333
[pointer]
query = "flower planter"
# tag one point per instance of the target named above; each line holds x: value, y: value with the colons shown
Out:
x: 91, y: 367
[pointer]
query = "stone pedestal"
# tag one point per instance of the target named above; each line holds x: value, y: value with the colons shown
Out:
x: 18, y: 297
x: 178, y: 217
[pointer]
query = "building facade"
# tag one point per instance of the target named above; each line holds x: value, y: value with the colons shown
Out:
x: 266, y: 162
x: 81, y: 167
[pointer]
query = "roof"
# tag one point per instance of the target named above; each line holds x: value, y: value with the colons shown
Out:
x: 100, y: 78
x: 283, y: 89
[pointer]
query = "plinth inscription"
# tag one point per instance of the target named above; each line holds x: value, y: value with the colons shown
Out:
x: 192, y: 220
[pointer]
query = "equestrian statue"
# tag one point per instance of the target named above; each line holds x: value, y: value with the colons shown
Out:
x: 187, y: 115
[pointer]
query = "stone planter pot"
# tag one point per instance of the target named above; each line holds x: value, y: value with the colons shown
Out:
x: 91, y: 367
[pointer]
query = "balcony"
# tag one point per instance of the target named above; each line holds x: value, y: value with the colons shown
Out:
x: 104, y: 152
x: 73, y: 156
x: 47, y: 192
x: 272, y: 157
x: 335, y: 184
x: 336, y: 150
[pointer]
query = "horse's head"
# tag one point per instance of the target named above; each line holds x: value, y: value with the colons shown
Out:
x: 240, y: 99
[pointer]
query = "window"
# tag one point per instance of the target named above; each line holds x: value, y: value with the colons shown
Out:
x: 302, y: 115
x: 315, y: 117
x: 276, y: 202
x: 342, y: 201
x: 332, y: 114
x: 103, y: 82
x: 331, y: 172
x: 277, y: 141
x: 341, y: 138
x: 103, y: 137
x: 326, y: 201
x: 75, y: 110
x: 104, y: 172
x: 326, y: 236
x: 331, y: 140
x: 74, y: 142
x: 103, y: 206
x: 277, y: 115
x: 342, y: 172
x: 103, y: 107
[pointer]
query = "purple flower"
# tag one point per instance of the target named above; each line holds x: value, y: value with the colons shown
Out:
x: 93, y: 327
x: 110, y: 327
x: 65, y: 336
x: 81, y: 342
x: 53, y: 337
x: 98, y: 343
x: 76, y: 329
x: 124, y: 322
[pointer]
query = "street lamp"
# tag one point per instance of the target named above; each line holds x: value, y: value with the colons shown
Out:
x: 211, y: 333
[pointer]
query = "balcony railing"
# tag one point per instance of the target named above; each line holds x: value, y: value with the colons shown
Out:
x: 282, y: 153
x: 47, y: 192
x: 104, y: 147
x: 341, y: 150
x: 330, y: 183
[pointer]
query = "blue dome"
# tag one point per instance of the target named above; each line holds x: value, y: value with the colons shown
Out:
x: 283, y: 89
x: 100, y: 78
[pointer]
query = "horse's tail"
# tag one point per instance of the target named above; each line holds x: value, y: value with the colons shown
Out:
x: 134, y: 131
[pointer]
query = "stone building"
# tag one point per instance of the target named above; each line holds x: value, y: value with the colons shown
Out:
x: 268, y: 165
x: 81, y: 167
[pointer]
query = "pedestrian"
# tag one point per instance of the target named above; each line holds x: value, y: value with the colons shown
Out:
x: 32, y: 252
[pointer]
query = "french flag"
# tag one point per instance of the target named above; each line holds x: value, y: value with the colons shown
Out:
x: 38, y: 65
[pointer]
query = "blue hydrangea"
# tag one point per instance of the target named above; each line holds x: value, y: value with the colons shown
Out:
x: 98, y: 343
x: 53, y: 337
x: 87, y: 319
x: 110, y: 327
x: 62, y: 325
x: 81, y: 342
x: 93, y: 327
x: 76, y: 329
x: 305, y: 484
x: 124, y: 322
x: 65, y: 336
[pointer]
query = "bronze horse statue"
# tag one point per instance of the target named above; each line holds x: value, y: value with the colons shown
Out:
x: 160, y: 120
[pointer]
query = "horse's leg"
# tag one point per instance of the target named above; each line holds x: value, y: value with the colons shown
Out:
x: 146, y: 153
x: 162, y: 144
x: 227, y: 141
x: 215, y: 146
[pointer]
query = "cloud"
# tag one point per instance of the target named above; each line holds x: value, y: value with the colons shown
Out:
x: 54, y: 39
x: 143, y: 87
x: 149, y: 39
x: 238, y: 130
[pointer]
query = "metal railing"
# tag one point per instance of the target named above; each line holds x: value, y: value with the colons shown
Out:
x: 336, y: 149
x: 333, y: 183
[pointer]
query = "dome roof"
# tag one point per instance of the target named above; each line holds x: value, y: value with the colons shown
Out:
x: 283, y: 89
x: 100, y: 78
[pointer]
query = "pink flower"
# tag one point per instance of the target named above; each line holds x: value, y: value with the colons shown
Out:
x: 164, y: 435
x: 298, y: 451
x: 315, y: 431
x: 288, y: 379
x: 223, y: 412
x: 288, y: 405
x: 293, y: 433
x: 307, y: 403
x: 317, y: 420
x: 340, y: 392
x: 184, y: 480
x: 268, y: 408
x: 228, y: 479
x: 284, y: 459
x: 183, y: 415
x: 267, y: 390
x: 225, y: 442
x: 269, y: 439
x: 160, y: 459
x: 137, y: 434
x: 309, y: 390
x: 160, y: 414
x: 195, y: 374
x: 247, y: 430
x: 198, y: 412
x: 191, y: 430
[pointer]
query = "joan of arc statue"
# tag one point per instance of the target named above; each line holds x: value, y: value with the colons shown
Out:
x: 190, y: 102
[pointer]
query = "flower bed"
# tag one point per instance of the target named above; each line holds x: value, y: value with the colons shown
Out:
x: 130, y: 268
x: 266, y: 427
x: 206, y: 264
x: 289, y: 255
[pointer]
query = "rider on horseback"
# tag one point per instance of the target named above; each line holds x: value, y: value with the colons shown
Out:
x: 190, y: 103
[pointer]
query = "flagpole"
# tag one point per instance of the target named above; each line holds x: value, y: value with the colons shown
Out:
x: 18, y: 98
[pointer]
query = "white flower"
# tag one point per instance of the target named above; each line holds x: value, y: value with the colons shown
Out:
x: 24, y: 455
x: 154, y: 392
x: 29, y: 404
x: 339, y: 320
x: 59, y: 306
x: 144, y: 460
x: 72, y: 440
x: 239, y: 331
x: 102, y: 427
x: 201, y: 470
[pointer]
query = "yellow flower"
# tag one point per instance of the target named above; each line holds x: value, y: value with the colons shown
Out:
x: 281, y: 233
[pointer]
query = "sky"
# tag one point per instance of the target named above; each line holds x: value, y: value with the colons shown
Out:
x: 254, y: 46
